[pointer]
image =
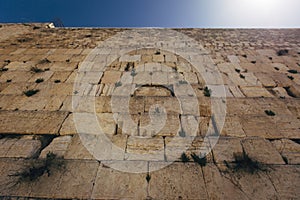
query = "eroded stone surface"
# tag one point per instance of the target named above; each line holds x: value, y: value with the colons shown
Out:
x: 262, y: 151
x: 171, y: 182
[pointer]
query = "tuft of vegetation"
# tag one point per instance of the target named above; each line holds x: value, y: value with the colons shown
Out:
x: 129, y: 65
x: 39, y: 168
x: 270, y: 113
x: 181, y: 82
x: 148, y: 178
x: 39, y: 80
x: 133, y: 73
x: 293, y: 71
x: 57, y: 81
x: 118, y: 84
x: 157, y: 53
x: 36, y: 70
x: 242, y: 76
x: 202, y: 161
x: 30, y: 93
x: 242, y: 162
x: 182, y: 133
x: 21, y: 40
x: 238, y: 70
x: 184, y: 158
x: 207, y: 92
x: 4, y: 69
x: 44, y: 61
x: 282, y: 52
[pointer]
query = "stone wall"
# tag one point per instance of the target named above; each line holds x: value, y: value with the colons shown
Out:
x: 39, y: 67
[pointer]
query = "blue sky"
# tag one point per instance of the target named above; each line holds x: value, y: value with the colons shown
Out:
x: 155, y: 13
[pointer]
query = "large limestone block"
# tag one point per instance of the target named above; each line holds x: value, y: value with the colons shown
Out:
x: 286, y: 181
x: 175, y: 146
x: 78, y: 179
x: 225, y: 149
x: 177, y: 181
x: 77, y: 151
x: 220, y: 187
x: 262, y: 151
x: 289, y: 150
x: 68, y: 127
x: 113, y: 184
x: 171, y: 104
x: 148, y: 128
x: 31, y: 122
x: 253, y: 91
x: 25, y: 147
x: 58, y: 146
x: 139, y: 148
x: 11, y: 185
x: 159, y: 78
x: 16, y: 88
x: 5, y: 145
x: 253, y: 186
x: 233, y: 127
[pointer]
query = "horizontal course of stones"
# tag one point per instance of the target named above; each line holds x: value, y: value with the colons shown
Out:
x: 256, y: 79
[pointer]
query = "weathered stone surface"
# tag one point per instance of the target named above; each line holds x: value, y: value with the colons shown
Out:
x: 25, y: 147
x: 10, y: 185
x: 250, y: 185
x: 170, y: 128
x: 255, y: 92
x: 111, y: 77
x: 78, y: 180
x: 107, y: 123
x: 159, y: 78
x: 286, y: 181
x: 25, y: 122
x: 171, y: 104
x: 233, y: 127
x: 170, y: 182
x: 225, y: 149
x: 68, y: 127
x: 77, y: 151
x: 58, y: 146
x: 145, y: 149
x: 176, y: 146
x: 262, y: 151
x: 152, y: 91
x: 289, y: 150
x: 220, y: 187
x: 6, y: 144
x: 142, y: 78
x: 112, y: 184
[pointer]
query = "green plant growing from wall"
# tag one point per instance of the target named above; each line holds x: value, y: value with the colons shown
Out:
x: 39, y: 80
x: 207, y: 92
x: 243, y: 163
x: 201, y: 160
x: 30, y: 93
x: 184, y: 158
x: 270, y: 113
x: 39, y: 167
